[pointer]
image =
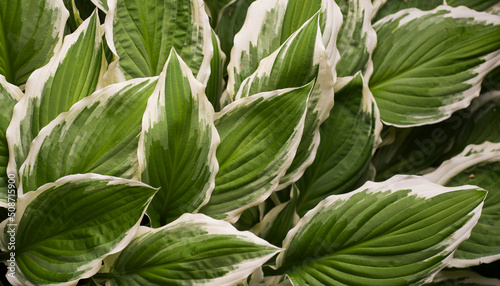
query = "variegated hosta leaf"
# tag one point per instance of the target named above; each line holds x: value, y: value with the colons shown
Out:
x: 193, y: 250
x: 296, y: 63
x: 259, y: 137
x: 9, y: 95
x: 177, y: 144
x: 462, y: 278
x: 269, y: 24
x: 71, y: 75
x: 478, y: 165
x: 30, y: 31
x: 392, y: 7
x: 398, y: 232
x: 84, y: 218
x: 215, y: 84
x: 429, y: 64
x: 416, y: 149
x: 356, y: 39
x: 142, y: 33
x: 99, y: 134
x: 478, y: 5
x: 348, y: 139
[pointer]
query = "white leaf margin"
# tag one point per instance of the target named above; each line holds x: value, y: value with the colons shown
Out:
x: 212, y: 227
x: 100, y: 96
x: 234, y: 215
x: 491, y: 60
x: 206, y: 114
x: 418, y: 186
x: 471, y: 156
x: 23, y: 202
x: 116, y: 75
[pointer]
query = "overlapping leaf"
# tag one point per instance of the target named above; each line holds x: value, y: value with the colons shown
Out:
x: 84, y: 218
x: 429, y: 64
x: 296, y: 63
x: 399, y: 232
x: 348, y: 139
x: 392, y: 7
x: 99, y: 134
x: 142, y: 33
x: 215, y: 84
x: 193, y: 250
x: 259, y: 137
x: 216, y: 8
x: 28, y: 46
x: 478, y: 5
x: 356, y: 39
x: 478, y: 165
x: 9, y: 95
x: 177, y: 144
x: 71, y: 75
x: 268, y: 26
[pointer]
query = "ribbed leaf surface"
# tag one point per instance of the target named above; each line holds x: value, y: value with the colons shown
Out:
x: 193, y: 250
x: 84, y: 218
x: 100, y: 134
x: 398, y: 232
x: 177, y: 144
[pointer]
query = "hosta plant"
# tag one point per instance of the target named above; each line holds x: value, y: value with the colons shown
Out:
x: 249, y: 142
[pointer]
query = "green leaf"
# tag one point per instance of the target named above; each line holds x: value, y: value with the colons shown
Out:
x: 348, y: 139
x: 268, y: 25
x: 216, y: 8
x: 28, y: 46
x: 193, y: 250
x: 99, y: 134
x: 101, y: 4
x: 215, y: 84
x: 84, y: 218
x: 72, y: 74
x: 259, y: 137
x: 230, y: 23
x: 429, y: 64
x: 394, y: 6
x: 398, y: 232
x: 357, y: 39
x: 177, y: 144
x: 296, y: 63
x: 478, y: 5
x: 462, y: 278
x: 9, y: 96
x: 478, y: 165
x: 142, y: 33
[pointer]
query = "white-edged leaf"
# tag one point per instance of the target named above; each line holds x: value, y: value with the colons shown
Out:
x: 30, y: 34
x: 65, y: 229
x: 177, y: 144
x: 72, y: 74
x: 99, y: 134
x: 301, y: 59
x: 349, y: 137
x: 268, y: 25
x: 430, y: 64
x: 478, y: 165
x: 398, y: 232
x: 357, y: 38
x: 193, y: 250
x: 9, y: 96
x: 259, y: 137
x: 142, y: 33
x: 478, y: 5
x: 101, y: 4
x: 215, y: 83
x: 392, y: 7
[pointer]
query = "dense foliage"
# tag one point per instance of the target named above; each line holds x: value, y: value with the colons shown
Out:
x: 249, y: 142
